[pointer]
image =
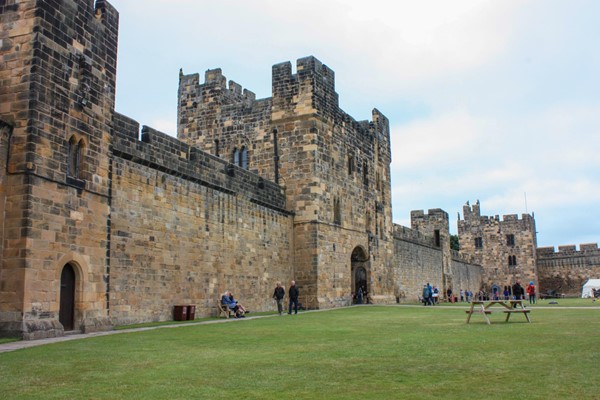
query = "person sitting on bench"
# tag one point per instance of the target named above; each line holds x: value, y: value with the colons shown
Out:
x: 228, y: 300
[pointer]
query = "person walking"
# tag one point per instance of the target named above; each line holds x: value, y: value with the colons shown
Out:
x: 278, y: 296
x: 531, y: 292
x: 518, y: 291
x: 293, y: 293
x: 427, y: 296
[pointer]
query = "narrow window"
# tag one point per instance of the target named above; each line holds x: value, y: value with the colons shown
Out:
x: 478, y: 243
x: 510, y: 240
x: 436, y: 235
x: 365, y: 173
x: 244, y: 158
x: 236, y: 157
x: 350, y: 164
x: 337, y: 213
x: 75, y: 156
x: 217, y: 147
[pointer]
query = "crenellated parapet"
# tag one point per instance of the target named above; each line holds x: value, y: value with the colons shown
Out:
x: 407, y: 234
x: 585, y: 249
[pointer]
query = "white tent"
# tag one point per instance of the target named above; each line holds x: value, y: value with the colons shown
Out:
x: 586, y: 292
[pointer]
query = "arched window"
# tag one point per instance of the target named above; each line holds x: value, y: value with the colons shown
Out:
x: 244, y: 158
x: 350, y: 164
x: 236, y: 157
x: 76, y: 149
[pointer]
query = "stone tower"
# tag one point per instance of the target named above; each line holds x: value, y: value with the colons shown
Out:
x: 506, y: 248
x: 335, y: 171
x: 57, y: 98
x: 435, y: 224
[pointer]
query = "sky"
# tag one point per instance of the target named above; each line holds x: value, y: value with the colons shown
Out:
x: 496, y: 101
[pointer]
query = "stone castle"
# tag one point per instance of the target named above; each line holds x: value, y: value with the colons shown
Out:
x: 105, y: 224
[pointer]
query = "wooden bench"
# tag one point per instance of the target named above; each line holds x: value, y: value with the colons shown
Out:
x: 478, y: 308
x: 224, y: 310
x: 517, y: 310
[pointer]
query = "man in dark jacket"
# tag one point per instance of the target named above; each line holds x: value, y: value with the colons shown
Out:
x: 518, y: 291
x: 293, y: 293
x: 278, y: 295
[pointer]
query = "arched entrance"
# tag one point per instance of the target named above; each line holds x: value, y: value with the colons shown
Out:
x: 66, y: 313
x: 360, y: 273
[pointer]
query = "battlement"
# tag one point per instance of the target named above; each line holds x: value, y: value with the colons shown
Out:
x: 473, y: 213
x: 437, y: 213
x: 568, y: 250
x: 214, y: 90
x: 312, y: 87
x: 164, y: 153
x: 435, y: 222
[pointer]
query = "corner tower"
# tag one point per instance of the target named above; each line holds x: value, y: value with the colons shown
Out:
x: 57, y: 100
x: 505, y: 248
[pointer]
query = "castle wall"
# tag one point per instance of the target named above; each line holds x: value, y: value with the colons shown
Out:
x: 417, y: 261
x: 566, y: 270
x: 466, y: 275
x: 187, y: 226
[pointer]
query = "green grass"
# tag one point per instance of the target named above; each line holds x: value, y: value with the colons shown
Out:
x: 351, y: 353
x: 8, y: 340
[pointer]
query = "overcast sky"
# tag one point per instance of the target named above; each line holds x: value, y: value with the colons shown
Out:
x: 491, y: 100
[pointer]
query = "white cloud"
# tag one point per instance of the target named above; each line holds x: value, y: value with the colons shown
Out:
x: 487, y: 99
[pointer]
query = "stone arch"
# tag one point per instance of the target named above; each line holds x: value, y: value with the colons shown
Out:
x: 80, y: 270
x: 76, y: 152
x: 360, y: 270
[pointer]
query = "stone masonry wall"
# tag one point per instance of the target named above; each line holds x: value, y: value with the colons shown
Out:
x: 57, y: 73
x: 567, y: 269
x: 187, y: 226
x: 506, y: 248
x: 419, y: 260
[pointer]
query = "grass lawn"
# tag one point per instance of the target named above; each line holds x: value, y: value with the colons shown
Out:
x: 353, y: 353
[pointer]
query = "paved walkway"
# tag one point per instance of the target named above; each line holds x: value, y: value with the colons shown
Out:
x: 23, y: 344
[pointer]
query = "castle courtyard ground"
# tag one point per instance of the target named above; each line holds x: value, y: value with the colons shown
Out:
x: 405, y: 351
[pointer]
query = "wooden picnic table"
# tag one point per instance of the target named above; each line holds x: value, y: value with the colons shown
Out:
x: 510, y: 307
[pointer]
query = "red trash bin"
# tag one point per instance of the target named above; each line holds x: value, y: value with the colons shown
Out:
x: 180, y: 313
x: 191, y: 312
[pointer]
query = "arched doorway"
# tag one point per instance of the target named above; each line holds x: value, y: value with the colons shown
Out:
x: 66, y: 313
x: 360, y: 273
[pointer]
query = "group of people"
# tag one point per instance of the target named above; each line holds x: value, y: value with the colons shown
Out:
x: 514, y: 292
x: 293, y: 294
x: 228, y: 300
x: 240, y: 311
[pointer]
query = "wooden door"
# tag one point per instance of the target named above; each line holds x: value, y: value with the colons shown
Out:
x: 67, y: 297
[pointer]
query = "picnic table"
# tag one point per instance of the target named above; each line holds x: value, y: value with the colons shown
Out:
x: 484, y: 308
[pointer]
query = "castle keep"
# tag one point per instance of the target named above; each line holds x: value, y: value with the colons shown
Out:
x: 105, y: 223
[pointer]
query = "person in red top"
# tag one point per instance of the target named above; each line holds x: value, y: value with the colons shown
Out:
x: 531, y: 292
